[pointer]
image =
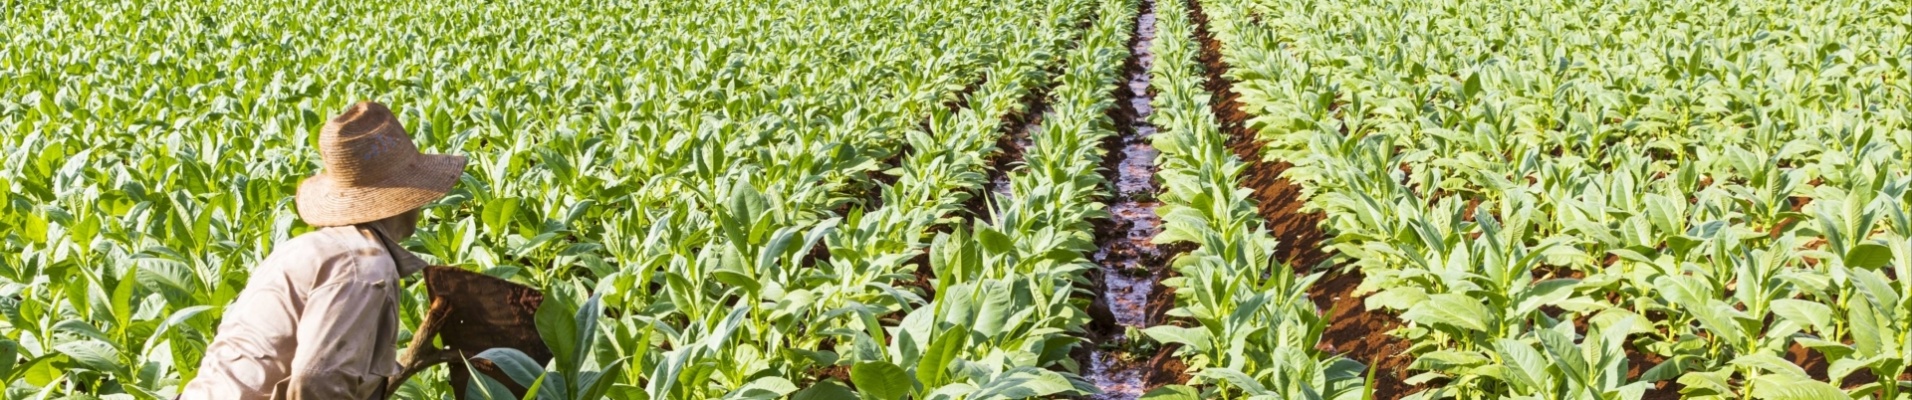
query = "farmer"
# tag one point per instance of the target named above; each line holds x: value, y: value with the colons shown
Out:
x: 319, y: 318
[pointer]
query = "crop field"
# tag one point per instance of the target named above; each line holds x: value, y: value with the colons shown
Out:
x: 1002, y: 199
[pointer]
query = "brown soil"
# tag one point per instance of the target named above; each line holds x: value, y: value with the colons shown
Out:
x: 1278, y: 200
x: 1354, y: 331
x: 1815, y: 364
x: 1638, y: 362
x: 1363, y: 335
x: 1016, y: 130
x: 841, y: 373
x: 1166, y: 369
x: 923, y: 275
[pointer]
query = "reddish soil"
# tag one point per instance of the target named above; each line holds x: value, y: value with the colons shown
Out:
x: 1363, y: 335
x: 1638, y: 362
x: 1278, y: 200
x: 1354, y: 331
x: 1815, y: 364
x: 1166, y: 369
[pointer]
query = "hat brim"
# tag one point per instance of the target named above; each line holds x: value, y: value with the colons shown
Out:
x: 324, y: 201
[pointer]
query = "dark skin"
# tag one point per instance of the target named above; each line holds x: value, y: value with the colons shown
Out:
x: 397, y: 227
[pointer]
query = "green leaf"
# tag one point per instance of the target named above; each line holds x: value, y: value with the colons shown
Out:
x: 942, y: 352
x: 765, y: 388
x: 1771, y: 364
x: 1808, y: 313
x: 1785, y: 387
x: 35, y: 229
x: 1543, y: 293
x: 485, y: 387
x: 1400, y: 298
x: 1195, y: 338
x: 1472, y: 87
x: 738, y: 279
x: 1670, y: 369
x: 994, y: 241
x: 587, y: 331
x: 1173, y: 392
x: 1452, y: 310
x: 515, y: 364
x: 824, y: 390
x: 93, y: 354
x: 9, y: 354
x: 1868, y: 255
x: 1706, y: 383
x: 531, y: 391
x: 881, y: 379
x: 559, y: 330
x: 600, y: 383
x: 498, y: 213
x: 1022, y: 383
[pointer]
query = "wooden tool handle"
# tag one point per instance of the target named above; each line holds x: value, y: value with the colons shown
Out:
x: 422, y: 354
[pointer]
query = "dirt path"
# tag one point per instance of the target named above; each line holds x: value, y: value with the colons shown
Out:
x: 1132, y: 268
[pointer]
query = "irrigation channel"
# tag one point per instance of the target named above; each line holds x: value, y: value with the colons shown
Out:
x: 1132, y: 266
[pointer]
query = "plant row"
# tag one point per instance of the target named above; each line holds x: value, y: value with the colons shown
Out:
x: 1601, y: 199
x: 741, y: 182
x: 1248, y: 329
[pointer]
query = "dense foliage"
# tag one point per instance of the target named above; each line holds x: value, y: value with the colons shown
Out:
x: 1550, y: 192
x: 743, y: 183
x: 1255, y: 332
x: 759, y: 199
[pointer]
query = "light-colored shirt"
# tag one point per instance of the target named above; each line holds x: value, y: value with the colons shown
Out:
x: 317, y: 320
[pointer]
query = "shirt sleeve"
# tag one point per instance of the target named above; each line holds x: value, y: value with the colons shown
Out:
x: 338, y: 337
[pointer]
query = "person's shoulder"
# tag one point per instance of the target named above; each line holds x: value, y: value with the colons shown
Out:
x: 330, y: 253
x: 326, y: 242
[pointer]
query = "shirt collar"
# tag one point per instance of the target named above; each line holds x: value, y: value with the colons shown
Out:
x: 408, y: 263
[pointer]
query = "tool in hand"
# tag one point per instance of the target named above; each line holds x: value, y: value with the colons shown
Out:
x: 471, y: 313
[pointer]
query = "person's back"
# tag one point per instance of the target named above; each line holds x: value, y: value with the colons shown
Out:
x: 333, y: 271
x: 319, y: 317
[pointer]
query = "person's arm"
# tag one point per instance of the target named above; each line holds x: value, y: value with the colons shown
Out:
x: 338, y: 338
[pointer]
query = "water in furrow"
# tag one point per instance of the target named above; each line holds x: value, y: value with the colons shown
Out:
x: 1126, y: 254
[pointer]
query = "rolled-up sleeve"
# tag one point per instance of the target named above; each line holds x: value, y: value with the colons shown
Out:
x: 339, y: 338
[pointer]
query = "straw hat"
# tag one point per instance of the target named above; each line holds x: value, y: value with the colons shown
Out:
x: 372, y: 170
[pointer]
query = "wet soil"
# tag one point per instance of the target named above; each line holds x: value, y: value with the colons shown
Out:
x: 1018, y: 130
x: 1129, y: 286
